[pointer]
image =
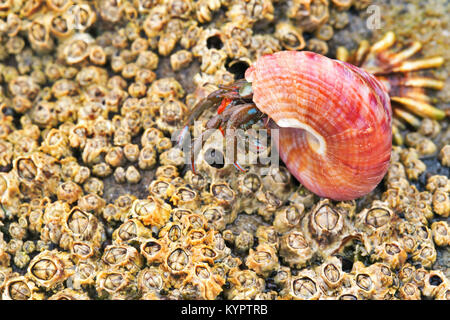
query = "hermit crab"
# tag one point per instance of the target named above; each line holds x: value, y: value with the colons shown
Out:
x: 334, y: 119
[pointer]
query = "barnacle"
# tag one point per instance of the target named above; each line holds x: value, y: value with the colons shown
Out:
x: 202, y: 280
x: 435, y: 282
x: 392, y: 253
x: 69, y: 294
x: 115, y: 283
x: 263, y: 260
x: 151, y: 281
x: 309, y: 14
x: 84, y: 226
x: 289, y: 36
x: 152, y: 212
x: 325, y: 222
x: 376, y: 281
x: 302, y: 287
x: 330, y: 272
x: 131, y: 230
x: 76, y: 49
x: 441, y: 233
x: 295, y: 249
x: 49, y: 269
x: 122, y: 257
x: 20, y: 288
x: 245, y: 284
x: 441, y: 202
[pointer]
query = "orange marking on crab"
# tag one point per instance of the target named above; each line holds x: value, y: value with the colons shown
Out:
x: 223, y: 105
x: 222, y: 130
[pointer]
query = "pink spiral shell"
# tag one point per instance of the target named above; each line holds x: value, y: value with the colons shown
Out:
x: 334, y: 119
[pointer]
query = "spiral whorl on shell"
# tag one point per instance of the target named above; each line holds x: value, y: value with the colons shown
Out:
x: 334, y: 120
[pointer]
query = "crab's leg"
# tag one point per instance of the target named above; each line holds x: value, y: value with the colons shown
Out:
x: 235, y: 86
x: 420, y: 108
x: 415, y: 82
x: 233, y: 95
x: 361, y: 53
x: 408, y: 117
x: 342, y: 54
x: 212, y: 100
x: 243, y: 114
x: 384, y: 43
x: 411, y: 50
x: 424, y: 82
x: 416, y: 95
x: 396, y: 135
x: 407, y: 66
x: 198, y: 109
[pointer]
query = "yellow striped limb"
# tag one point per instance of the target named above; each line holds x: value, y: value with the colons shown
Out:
x: 342, y: 54
x: 386, y: 42
x: 396, y: 58
x: 424, y: 83
x: 407, y: 117
x: 397, y: 137
x: 419, y: 64
x: 420, y: 108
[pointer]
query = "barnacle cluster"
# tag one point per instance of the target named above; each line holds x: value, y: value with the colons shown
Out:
x: 96, y: 202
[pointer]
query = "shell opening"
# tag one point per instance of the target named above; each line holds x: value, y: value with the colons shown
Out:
x: 315, y: 140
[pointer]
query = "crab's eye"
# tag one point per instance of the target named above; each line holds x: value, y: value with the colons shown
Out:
x: 246, y: 91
